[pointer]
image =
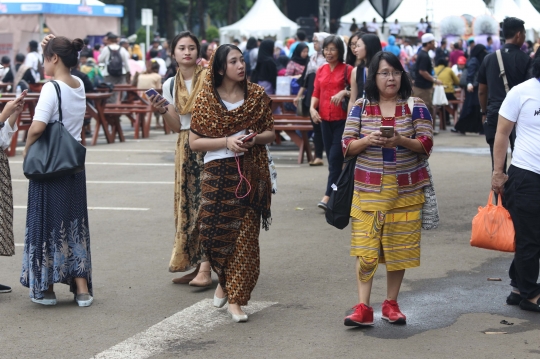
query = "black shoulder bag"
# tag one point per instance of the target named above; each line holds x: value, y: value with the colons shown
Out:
x: 55, y: 153
x: 338, y: 211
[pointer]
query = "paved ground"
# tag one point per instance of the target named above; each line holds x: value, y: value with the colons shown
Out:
x: 307, y: 280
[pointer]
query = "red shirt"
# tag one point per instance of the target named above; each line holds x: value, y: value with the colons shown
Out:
x: 327, y: 84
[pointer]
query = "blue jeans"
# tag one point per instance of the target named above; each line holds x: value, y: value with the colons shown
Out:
x: 332, y: 131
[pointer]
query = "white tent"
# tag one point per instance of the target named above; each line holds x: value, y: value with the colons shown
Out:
x: 262, y: 20
x: 529, y: 14
x: 505, y: 8
x: 363, y: 12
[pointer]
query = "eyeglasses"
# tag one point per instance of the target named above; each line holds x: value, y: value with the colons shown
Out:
x: 385, y: 75
x: 332, y: 49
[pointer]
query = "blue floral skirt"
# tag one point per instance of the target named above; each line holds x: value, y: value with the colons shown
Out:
x: 57, y: 239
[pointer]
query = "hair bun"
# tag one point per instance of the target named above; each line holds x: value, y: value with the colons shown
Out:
x: 77, y: 44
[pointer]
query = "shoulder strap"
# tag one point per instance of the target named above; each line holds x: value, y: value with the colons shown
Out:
x: 502, y: 72
x: 172, y: 86
x: 410, y: 103
x: 59, y: 95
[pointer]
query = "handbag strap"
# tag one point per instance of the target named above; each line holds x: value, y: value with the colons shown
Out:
x: 347, y: 159
x: 59, y: 95
x: 345, y: 76
x: 501, y: 68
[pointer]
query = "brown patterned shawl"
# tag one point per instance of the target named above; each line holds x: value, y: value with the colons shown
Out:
x: 183, y: 100
x: 210, y: 118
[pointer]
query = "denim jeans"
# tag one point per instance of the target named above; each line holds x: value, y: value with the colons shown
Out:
x: 332, y: 131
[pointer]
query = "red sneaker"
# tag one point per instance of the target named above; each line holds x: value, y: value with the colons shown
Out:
x: 362, y: 316
x: 391, y: 312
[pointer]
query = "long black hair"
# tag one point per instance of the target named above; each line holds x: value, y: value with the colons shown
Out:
x: 181, y: 36
x: 373, y: 46
x: 372, y: 91
x: 350, y: 59
x: 220, y: 64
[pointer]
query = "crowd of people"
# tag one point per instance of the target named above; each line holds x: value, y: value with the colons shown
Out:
x: 218, y: 101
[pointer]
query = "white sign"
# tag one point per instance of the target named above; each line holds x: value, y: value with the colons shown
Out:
x: 147, y: 17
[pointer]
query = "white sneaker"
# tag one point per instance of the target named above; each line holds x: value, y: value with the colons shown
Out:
x: 48, y: 299
x: 84, y: 299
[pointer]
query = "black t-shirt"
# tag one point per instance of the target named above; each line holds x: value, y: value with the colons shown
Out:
x: 360, y: 83
x: 516, y: 66
x: 88, y: 87
x: 8, y: 77
x: 423, y: 62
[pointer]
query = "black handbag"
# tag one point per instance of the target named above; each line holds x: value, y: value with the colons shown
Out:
x: 55, y: 153
x: 338, y: 211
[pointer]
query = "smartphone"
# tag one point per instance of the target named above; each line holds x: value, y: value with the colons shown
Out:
x: 387, y: 131
x: 248, y: 137
x: 153, y: 92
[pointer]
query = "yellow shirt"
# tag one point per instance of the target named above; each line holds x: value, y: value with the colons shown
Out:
x: 447, y: 77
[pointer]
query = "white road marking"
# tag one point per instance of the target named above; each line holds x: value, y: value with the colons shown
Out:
x: 19, y: 244
x: 102, y: 208
x: 110, y: 182
x: 180, y: 327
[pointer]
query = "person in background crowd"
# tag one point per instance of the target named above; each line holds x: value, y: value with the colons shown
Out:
x: 164, y: 52
x: 23, y: 74
x: 520, y: 191
x: 373, y: 27
x: 250, y: 46
x: 136, y: 65
x: 326, y: 107
x: 455, y: 54
x: 154, y: 56
x: 125, y: 44
x: 300, y: 38
x: 351, y: 58
x: 354, y: 27
x: 265, y: 73
x: 58, y: 205
x: 364, y: 28
x: 228, y: 108
x: 96, y: 52
x: 470, y: 45
x: 307, y: 83
x: 392, y: 47
x: 236, y: 42
x: 6, y: 74
x: 489, y: 47
x: 442, y: 52
x: 386, y: 210
x: 298, y: 62
x: 154, y: 46
x: 242, y: 46
x: 423, y: 83
x: 491, y: 91
x: 366, y: 47
x: 279, y: 49
x: 459, y: 66
x: 395, y: 28
x: 149, y: 78
x: 470, y: 117
x: 91, y: 69
x: 111, y: 51
x: 8, y: 118
x: 34, y: 60
x: 428, y: 25
x: 449, y: 80
x: 421, y: 28
x: 76, y: 71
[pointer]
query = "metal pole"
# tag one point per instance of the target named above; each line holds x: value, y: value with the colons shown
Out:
x: 147, y: 37
x: 324, y: 15
x: 41, y: 24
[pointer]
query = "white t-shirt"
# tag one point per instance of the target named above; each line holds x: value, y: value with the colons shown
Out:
x: 373, y: 27
x: 6, y: 133
x: 395, y: 28
x: 162, y: 66
x: 522, y: 106
x: 185, y: 120
x: 421, y: 26
x: 33, y: 60
x: 73, y: 106
x: 224, y: 153
x: 457, y: 70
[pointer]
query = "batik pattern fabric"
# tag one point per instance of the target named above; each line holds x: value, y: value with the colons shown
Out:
x: 229, y: 229
x: 187, y: 250
x: 57, y: 238
x: 7, y: 243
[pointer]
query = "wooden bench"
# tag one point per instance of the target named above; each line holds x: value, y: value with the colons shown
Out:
x: 453, y: 108
x: 290, y: 124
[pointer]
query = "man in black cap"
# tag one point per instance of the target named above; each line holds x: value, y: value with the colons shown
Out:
x: 116, y: 60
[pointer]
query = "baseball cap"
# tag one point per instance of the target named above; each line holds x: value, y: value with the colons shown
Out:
x: 427, y: 38
x: 461, y: 60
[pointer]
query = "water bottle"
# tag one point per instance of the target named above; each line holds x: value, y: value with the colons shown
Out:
x: 18, y: 91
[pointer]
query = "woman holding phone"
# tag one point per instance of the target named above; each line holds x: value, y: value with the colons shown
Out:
x: 236, y: 186
x: 392, y: 134
x: 180, y: 93
x: 8, y: 126
x: 57, y: 240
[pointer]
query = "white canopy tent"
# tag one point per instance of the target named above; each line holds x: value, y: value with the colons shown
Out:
x: 410, y: 11
x: 262, y: 20
x: 529, y: 14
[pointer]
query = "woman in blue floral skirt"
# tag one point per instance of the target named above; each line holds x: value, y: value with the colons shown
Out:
x: 57, y: 240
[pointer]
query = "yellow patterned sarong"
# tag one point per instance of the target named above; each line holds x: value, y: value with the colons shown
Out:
x: 386, y: 228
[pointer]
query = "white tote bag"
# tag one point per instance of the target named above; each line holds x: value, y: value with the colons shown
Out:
x: 439, y: 97
x: 283, y: 85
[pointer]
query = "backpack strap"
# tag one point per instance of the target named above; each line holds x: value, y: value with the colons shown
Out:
x: 172, y: 87
x: 59, y: 95
x: 502, y: 72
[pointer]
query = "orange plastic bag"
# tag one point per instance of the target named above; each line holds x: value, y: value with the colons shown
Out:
x: 492, y: 228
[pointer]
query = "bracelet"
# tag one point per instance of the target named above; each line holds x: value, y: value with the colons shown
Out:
x: 166, y: 110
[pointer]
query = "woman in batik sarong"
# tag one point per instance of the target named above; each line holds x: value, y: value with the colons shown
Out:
x: 389, y: 179
x: 180, y: 91
x: 57, y: 240
x: 236, y: 186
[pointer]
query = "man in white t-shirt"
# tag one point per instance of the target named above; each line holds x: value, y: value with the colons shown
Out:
x: 34, y: 60
x: 521, y: 188
x: 373, y: 27
x: 105, y: 57
x: 395, y: 28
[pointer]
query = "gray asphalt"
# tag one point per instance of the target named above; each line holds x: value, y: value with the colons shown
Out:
x: 306, y: 269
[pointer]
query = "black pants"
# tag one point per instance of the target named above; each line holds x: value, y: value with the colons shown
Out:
x: 522, y: 199
x: 490, y: 129
x: 317, y: 139
x: 332, y: 131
